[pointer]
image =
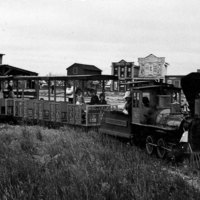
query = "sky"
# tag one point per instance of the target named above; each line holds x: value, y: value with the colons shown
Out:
x: 47, y: 36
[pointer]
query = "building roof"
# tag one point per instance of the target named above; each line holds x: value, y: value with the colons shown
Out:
x: 6, y: 70
x: 85, y: 66
x: 152, y: 56
x: 71, y: 77
x: 122, y: 62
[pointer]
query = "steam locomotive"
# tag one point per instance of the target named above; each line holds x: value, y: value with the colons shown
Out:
x: 160, y: 124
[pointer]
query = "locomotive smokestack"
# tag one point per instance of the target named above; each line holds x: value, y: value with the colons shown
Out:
x: 1, y: 58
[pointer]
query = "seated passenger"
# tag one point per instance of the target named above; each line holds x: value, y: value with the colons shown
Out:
x: 102, y: 99
x: 128, y: 104
x: 94, y: 99
x: 69, y: 92
x: 79, y: 97
x: 10, y: 92
x: 1, y: 95
x: 145, y: 101
x: 80, y: 101
x: 146, y: 117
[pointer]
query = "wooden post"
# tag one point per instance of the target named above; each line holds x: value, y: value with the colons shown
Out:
x: 37, y: 89
x: 103, y: 89
x: 74, y: 96
x: 22, y: 89
x: 65, y: 88
x: 180, y: 97
x: 17, y: 89
x: 49, y: 90
x: 55, y: 90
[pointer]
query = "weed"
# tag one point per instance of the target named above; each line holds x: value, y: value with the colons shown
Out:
x: 38, y: 163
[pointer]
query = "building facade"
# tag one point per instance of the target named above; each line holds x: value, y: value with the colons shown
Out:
x: 152, y: 68
x: 125, y: 71
x: 8, y: 70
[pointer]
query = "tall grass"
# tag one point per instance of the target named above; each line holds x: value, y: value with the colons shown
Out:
x: 39, y: 163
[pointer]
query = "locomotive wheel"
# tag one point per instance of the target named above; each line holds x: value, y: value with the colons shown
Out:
x: 161, y: 151
x: 149, y: 145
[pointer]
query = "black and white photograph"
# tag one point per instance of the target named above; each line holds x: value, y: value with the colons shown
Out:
x: 100, y: 100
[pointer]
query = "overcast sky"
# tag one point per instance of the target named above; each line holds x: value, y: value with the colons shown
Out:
x: 50, y: 35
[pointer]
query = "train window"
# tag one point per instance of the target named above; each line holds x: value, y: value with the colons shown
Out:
x: 146, y: 94
x: 146, y: 98
x: 136, y: 96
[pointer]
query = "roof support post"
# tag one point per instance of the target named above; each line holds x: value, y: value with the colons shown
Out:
x: 17, y: 84
x: 23, y: 85
x: 37, y: 89
x: 49, y: 92
x: 103, y: 86
x: 55, y: 90
x: 74, y: 96
x: 65, y: 88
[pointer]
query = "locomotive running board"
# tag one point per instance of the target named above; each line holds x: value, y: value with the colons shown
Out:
x: 115, y: 133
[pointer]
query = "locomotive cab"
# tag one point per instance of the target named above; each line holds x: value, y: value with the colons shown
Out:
x: 152, y: 103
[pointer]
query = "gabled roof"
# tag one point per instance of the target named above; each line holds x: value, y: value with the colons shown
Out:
x: 85, y: 66
x: 6, y: 70
x: 122, y: 61
x: 151, y: 55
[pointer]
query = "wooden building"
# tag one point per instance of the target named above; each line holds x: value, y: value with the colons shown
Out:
x: 83, y: 69
x: 125, y: 71
x: 152, y: 67
x: 8, y: 70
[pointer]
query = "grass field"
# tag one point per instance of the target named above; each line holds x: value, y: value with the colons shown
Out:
x: 38, y: 163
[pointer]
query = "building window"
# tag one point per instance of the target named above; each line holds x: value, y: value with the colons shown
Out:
x: 122, y: 72
x: 128, y: 74
x: 115, y: 71
x: 177, y: 83
x: 75, y: 70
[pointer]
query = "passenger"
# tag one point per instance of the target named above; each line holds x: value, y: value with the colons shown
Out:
x: 94, y: 99
x: 80, y: 101
x: 128, y: 104
x: 10, y: 92
x: 69, y: 92
x: 79, y: 97
x: 52, y: 88
x: 145, y: 101
x: 1, y: 94
x: 146, y: 112
x: 102, y: 99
